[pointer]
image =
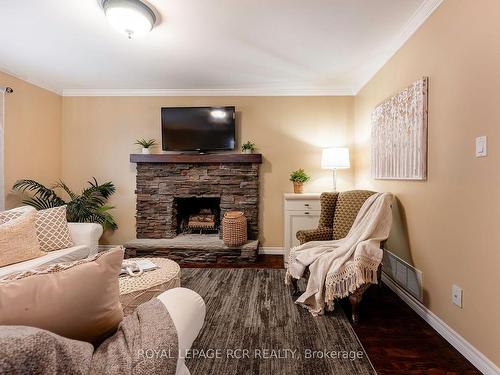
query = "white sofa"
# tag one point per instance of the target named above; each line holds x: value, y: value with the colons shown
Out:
x: 85, y: 238
x: 186, y: 307
x: 187, y: 310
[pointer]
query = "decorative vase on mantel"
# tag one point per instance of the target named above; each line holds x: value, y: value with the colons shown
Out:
x: 146, y: 144
x: 248, y: 147
x: 298, y: 187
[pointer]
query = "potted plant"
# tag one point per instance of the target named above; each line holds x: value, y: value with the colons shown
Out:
x: 146, y: 144
x: 299, y: 177
x: 248, y: 147
x: 89, y: 206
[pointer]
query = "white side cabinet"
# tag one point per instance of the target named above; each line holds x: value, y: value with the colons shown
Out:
x: 301, y: 211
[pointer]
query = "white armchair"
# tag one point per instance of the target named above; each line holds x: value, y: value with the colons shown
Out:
x: 87, y: 234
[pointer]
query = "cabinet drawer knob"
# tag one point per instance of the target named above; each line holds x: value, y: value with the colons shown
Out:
x: 307, y: 213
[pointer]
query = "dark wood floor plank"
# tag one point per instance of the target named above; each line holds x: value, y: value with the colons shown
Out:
x: 398, y: 341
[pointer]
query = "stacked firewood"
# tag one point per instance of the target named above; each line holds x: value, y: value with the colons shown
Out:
x: 205, y: 219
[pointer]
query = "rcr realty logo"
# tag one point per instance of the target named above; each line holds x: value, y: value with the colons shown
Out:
x: 259, y: 353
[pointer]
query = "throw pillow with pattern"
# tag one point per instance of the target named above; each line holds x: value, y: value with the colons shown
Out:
x: 51, y: 227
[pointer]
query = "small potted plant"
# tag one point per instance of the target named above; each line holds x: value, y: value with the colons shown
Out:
x: 145, y: 144
x: 248, y: 147
x: 299, y: 177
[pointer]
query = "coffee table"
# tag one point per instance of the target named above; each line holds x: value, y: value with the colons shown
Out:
x: 140, y: 289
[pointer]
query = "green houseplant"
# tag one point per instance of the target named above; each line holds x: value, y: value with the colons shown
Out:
x: 299, y: 177
x: 145, y: 144
x: 87, y: 207
x: 248, y: 147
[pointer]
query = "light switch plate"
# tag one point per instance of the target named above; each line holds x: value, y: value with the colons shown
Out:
x: 481, y: 147
x: 456, y: 295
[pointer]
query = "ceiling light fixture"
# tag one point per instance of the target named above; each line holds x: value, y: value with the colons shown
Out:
x: 131, y: 17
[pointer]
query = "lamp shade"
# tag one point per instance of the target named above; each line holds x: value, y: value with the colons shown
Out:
x: 335, y: 158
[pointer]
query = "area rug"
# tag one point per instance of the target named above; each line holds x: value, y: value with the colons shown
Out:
x: 252, y: 326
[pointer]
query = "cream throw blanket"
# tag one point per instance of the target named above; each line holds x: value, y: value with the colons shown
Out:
x: 339, y: 267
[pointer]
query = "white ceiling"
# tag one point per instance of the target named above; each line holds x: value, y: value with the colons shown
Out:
x: 252, y: 47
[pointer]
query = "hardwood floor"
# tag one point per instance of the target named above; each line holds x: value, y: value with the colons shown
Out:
x: 398, y: 341
x: 395, y: 338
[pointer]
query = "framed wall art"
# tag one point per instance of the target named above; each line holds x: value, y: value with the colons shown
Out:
x: 399, y: 135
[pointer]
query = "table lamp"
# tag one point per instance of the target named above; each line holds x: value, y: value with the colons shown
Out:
x: 335, y: 158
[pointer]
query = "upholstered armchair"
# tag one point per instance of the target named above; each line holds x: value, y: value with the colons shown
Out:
x: 338, y: 211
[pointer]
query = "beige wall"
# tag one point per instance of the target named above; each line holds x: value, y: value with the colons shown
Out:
x: 99, y: 132
x: 32, y: 135
x: 452, y: 218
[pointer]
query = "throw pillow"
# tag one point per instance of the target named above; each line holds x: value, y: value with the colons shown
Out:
x: 51, y: 227
x: 6, y: 216
x: 77, y: 300
x: 18, y: 241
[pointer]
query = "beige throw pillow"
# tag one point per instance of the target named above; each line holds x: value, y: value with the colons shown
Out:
x: 18, y: 240
x: 51, y: 227
x: 78, y: 300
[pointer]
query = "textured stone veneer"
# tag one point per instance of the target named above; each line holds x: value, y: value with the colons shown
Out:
x: 237, y: 185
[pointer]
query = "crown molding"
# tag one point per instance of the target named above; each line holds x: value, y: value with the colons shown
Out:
x: 416, y: 20
x: 33, y: 82
x: 211, y: 92
x: 43, y: 86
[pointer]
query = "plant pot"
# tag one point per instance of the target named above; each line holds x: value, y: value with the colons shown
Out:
x: 298, y: 187
x: 145, y: 150
x: 247, y: 151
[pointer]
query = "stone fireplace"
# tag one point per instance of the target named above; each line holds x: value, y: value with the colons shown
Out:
x: 172, y: 188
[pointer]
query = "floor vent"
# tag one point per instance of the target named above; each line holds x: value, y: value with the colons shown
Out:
x: 407, y: 276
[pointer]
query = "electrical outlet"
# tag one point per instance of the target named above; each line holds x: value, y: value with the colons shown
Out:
x: 456, y: 295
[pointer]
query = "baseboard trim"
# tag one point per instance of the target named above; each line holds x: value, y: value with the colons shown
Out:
x: 478, y: 359
x: 271, y: 250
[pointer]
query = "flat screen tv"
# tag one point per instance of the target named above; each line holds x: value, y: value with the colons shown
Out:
x: 198, y: 128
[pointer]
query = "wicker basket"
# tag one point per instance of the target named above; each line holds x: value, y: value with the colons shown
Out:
x: 234, y: 228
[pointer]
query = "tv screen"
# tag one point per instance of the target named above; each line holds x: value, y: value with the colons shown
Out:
x: 197, y: 128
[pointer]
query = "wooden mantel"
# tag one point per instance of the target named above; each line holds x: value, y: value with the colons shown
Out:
x: 196, y: 158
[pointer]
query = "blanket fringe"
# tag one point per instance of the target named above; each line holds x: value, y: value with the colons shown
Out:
x: 350, y: 277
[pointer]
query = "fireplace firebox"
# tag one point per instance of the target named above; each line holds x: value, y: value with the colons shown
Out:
x: 195, y: 214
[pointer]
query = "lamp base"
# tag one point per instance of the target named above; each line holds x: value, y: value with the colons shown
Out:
x: 334, y: 180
